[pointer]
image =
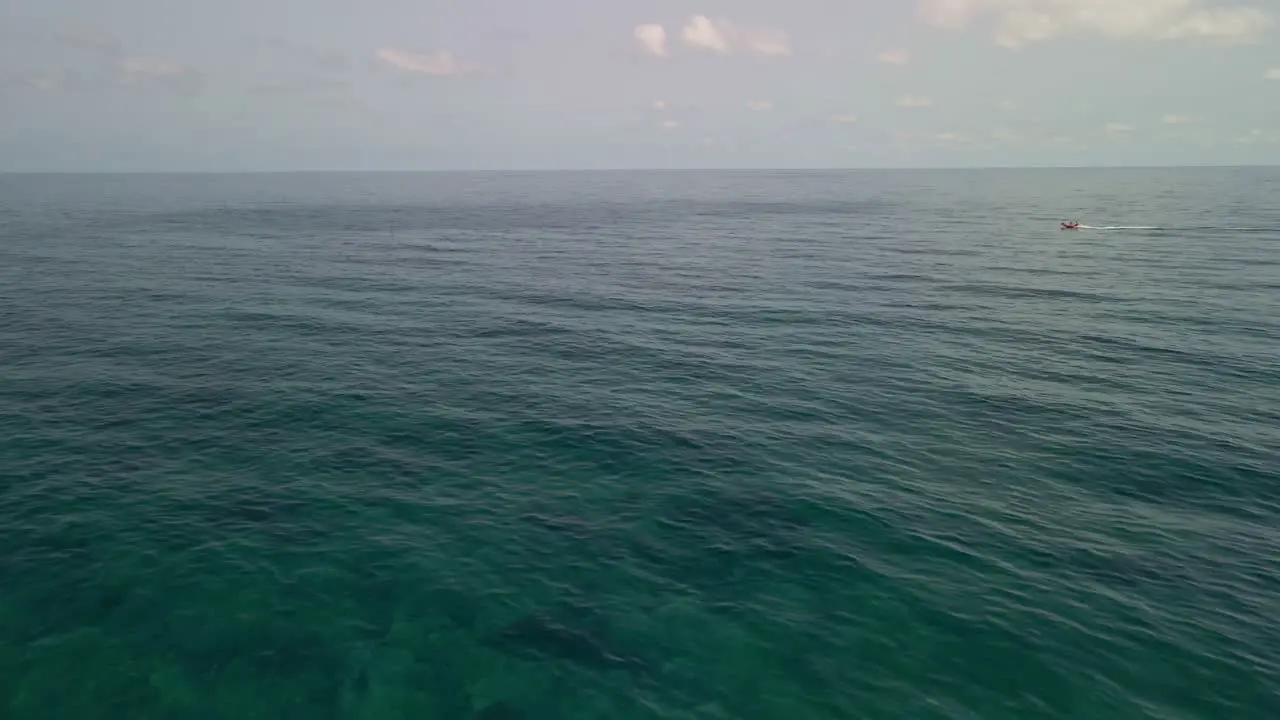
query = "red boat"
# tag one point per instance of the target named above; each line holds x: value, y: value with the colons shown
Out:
x: 1070, y: 226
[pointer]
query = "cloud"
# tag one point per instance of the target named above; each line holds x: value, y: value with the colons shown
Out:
x: 654, y: 39
x: 91, y: 39
x: 117, y: 65
x: 702, y: 33
x: 326, y: 92
x: 137, y: 68
x: 659, y: 104
x: 846, y: 119
x: 670, y: 124
x: 1258, y: 136
x: 894, y: 57
x: 721, y: 36
x: 45, y: 82
x: 318, y: 57
x: 440, y: 63
x: 768, y: 42
x: 1018, y: 23
x: 913, y: 101
x: 158, y: 73
x: 1272, y: 74
x: 1175, y: 119
x: 1010, y: 105
x: 1117, y: 128
x: 760, y: 105
x: 1004, y: 135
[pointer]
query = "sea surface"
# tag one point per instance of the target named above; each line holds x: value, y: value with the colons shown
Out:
x: 713, y: 445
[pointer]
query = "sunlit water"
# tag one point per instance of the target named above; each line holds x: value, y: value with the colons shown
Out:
x: 678, y: 445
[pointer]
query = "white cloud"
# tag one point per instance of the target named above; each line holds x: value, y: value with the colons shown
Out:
x: 92, y: 39
x: 721, y: 36
x: 659, y: 104
x: 1010, y: 105
x: 139, y: 67
x: 1117, y: 128
x: 951, y: 138
x: 1021, y: 22
x: 846, y: 119
x: 768, y: 42
x: 1258, y: 136
x: 437, y: 63
x: 120, y: 65
x: 41, y: 81
x: 323, y: 91
x: 1272, y: 74
x: 670, y: 124
x: 156, y: 73
x: 913, y: 101
x: 1175, y: 119
x: 701, y: 32
x: 654, y: 39
x: 894, y: 57
x: 760, y: 105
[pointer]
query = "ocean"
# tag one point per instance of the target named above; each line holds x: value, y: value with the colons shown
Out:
x: 712, y: 445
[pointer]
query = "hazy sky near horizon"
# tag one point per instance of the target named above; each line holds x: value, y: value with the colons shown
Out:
x: 493, y: 84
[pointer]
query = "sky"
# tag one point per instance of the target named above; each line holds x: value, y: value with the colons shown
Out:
x: 249, y: 85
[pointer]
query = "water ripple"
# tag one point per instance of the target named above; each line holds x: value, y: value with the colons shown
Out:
x: 696, y: 445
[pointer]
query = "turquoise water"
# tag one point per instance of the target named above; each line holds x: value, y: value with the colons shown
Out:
x: 677, y: 445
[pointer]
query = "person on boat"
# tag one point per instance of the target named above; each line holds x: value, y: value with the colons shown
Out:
x: 1068, y: 225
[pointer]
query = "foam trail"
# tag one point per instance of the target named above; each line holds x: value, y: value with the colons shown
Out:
x: 1120, y: 227
x: 1191, y: 228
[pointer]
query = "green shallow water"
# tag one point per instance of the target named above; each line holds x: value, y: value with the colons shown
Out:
x: 678, y: 445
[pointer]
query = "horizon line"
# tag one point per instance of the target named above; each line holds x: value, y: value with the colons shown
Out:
x: 390, y: 171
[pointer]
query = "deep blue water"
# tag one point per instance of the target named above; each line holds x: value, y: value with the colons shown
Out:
x: 640, y: 445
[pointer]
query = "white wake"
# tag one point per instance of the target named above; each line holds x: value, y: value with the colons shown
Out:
x: 1120, y: 227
